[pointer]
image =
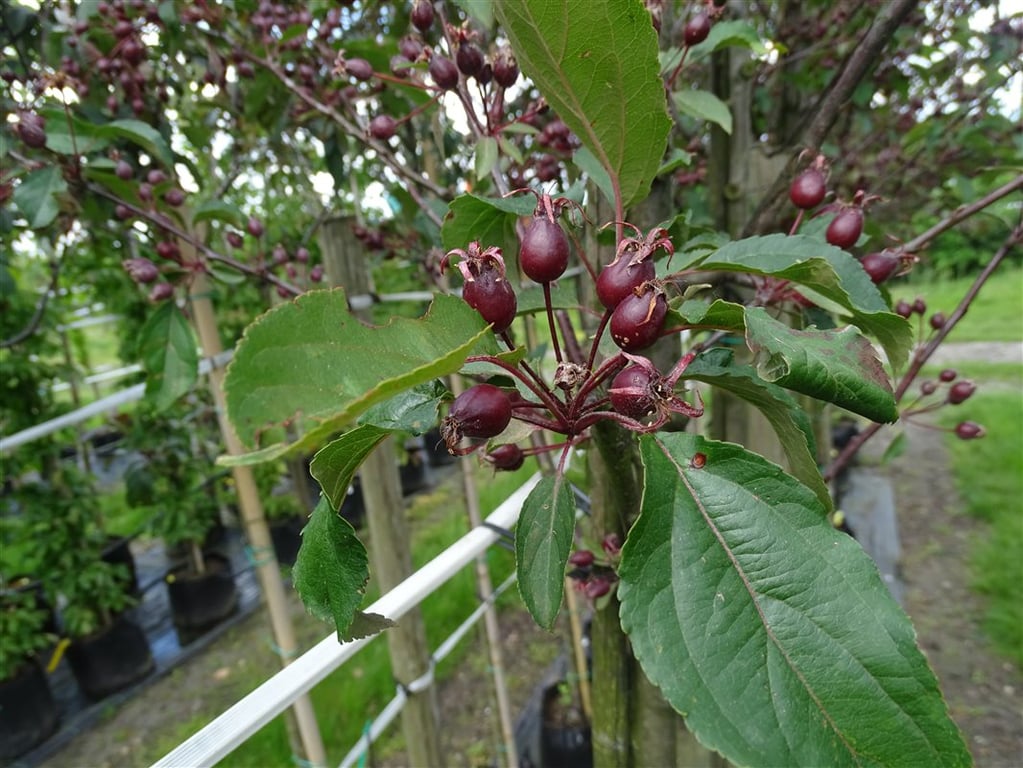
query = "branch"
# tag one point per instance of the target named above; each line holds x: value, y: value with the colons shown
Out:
x: 864, y: 56
x: 924, y: 353
x: 37, y: 316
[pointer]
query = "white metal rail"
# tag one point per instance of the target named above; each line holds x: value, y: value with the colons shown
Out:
x: 245, y: 717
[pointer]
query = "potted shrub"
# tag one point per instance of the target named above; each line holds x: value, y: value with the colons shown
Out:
x: 107, y: 650
x: 168, y: 477
x: 28, y: 713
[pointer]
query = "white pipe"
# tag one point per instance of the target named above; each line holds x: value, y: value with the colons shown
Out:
x: 97, y: 408
x: 245, y: 717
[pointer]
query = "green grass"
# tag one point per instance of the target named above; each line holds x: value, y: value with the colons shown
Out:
x: 989, y: 475
x: 347, y: 698
x: 995, y: 314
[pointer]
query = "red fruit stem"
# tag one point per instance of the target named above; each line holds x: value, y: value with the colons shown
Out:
x: 550, y: 321
x: 604, y: 320
x: 678, y: 68
x: 572, y: 348
x: 537, y: 386
x: 797, y: 222
x: 924, y: 353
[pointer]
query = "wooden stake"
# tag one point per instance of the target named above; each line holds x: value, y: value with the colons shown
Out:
x: 390, y: 556
x: 252, y: 518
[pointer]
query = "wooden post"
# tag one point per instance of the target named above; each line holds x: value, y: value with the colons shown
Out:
x: 252, y: 518
x: 390, y: 556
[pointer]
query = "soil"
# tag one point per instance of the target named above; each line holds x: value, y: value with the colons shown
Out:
x: 983, y: 690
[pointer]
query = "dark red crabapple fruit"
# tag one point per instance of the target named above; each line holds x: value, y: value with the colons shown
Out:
x: 919, y: 305
x: 255, y: 227
x: 696, y: 29
x: 581, y: 558
x: 845, y: 229
x: 174, y: 197
x: 928, y: 388
x: 234, y: 239
x: 948, y: 374
x: 597, y: 587
x: 142, y: 271
x: 880, y: 266
x: 422, y: 15
x: 961, y: 391
x: 122, y: 212
x: 443, y: 71
x: 161, y: 292
x: 507, y: 457
x: 360, y: 69
x: 382, y: 127
x: 631, y: 392
x: 637, y: 320
x: 543, y: 254
x: 808, y: 189
x: 480, y: 411
x: 612, y: 544
x: 411, y: 47
x: 903, y: 308
x: 123, y: 170
x: 469, y: 59
x: 506, y: 69
x: 493, y: 297
x: 166, y: 249
x: 620, y: 278
x: 316, y: 273
x: 32, y: 130
x: 969, y: 430
x: 937, y: 321
x: 302, y: 255
x: 156, y: 176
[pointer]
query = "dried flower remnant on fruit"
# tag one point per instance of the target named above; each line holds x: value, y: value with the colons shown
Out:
x: 632, y: 266
x: 486, y: 288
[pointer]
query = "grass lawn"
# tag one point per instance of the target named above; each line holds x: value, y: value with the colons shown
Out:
x: 995, y: 314
x: 989, y: 474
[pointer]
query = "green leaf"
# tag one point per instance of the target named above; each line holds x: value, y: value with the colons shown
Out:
x: 486, y: 157
x: 481, y: 10
x: 335, y: 464
x: 218, y: 210
x: 727, y: 34
x: 331, y: 574
x: 142, y: 134
x: 543, y: 539
x: 773, y: 634
x: 828, y: 272
x: 414, y: 410
x: 895, y: 448
x: 840, y: 367
x: 169, y: 355
x: 788, y: 417
x: 596, y: 64
x: 311, y: 361
x: 37, y: 196
x: 704, y: 105
x: 591, y: 166
x: 489, y: 220
x: 76, y: 137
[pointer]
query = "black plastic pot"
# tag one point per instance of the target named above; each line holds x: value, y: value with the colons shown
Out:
x: 353, y: 509
x: 286, y: 535
x: 28, y: 714
x: 565, y: 737
x: 200, y: 601
x: 415, y: 474
x: 111, y: 659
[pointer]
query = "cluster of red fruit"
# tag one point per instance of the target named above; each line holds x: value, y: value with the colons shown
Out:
x: 958, y: 391
x: 595, y: 577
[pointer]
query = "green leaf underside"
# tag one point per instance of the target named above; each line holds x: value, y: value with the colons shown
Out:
x: 169, y: 355
x: 704, y: 105
x: 771, y: 632
x: 414, y: 410
x: 36, y: 196
x: 786, y: 416
x: 828, y: 271
x: 840, y: 366
x: 543, y: 539
x: 312, y: 360
x: 331, y: 574
x: 579, y: 54
x: 489, y: 220
x: 335, y: 464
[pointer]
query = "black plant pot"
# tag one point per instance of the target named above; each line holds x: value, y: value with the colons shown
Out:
x: 28, y: 713
x: 565, y: 737
x: 200, y: 601
x: 415, y: 474
x: 111, y: 659
x: 353, y: 508
x: 286, y: 535
x: 436, y: 451
x: 118, y: 552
